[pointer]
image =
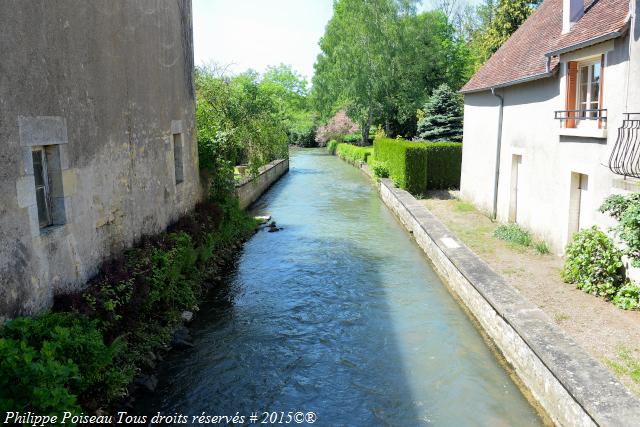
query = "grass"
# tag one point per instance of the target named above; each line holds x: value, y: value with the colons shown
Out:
x: 513, y: 233
x: 561, y: 317
x: 626, y: 366
x: 464, y: 207
x: 542, y: 248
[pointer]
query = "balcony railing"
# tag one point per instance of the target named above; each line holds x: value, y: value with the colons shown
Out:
x: 570, y: 118
x: 625, y: 156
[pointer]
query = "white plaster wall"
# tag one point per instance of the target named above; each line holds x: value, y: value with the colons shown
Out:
x: 479, y: 149
x: 530, y: 130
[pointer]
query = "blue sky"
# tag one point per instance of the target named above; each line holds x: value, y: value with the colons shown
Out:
x: 258, y: 33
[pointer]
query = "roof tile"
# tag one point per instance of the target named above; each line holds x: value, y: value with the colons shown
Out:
x: 524, y: 54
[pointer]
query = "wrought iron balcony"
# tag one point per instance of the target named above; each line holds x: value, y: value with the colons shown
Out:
x: 572, y: 117
x: 625, y: 156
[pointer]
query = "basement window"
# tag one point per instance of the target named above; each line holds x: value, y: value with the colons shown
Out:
x: 48, y: 186
x: 177, y: 157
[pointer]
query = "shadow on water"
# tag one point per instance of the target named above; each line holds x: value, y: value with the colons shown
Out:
x: 339, y: 314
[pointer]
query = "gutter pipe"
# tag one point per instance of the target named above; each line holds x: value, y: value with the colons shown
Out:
x: 494, y: 213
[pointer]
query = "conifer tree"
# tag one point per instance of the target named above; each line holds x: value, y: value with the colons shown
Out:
x: 442, y: 119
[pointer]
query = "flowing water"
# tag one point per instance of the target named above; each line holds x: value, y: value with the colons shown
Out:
x: 340, y: 314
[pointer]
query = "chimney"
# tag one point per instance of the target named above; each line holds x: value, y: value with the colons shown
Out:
x: 572, y: 11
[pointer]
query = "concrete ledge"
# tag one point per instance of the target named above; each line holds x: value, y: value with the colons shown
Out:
x: 572, y: 387
x: 250, y: 188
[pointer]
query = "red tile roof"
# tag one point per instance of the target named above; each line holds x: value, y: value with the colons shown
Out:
x: 524, y: 56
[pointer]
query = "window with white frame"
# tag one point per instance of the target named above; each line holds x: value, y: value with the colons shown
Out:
x: 588, y: 93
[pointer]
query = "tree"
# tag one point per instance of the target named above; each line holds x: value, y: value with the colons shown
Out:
x: 240, y: 120
x: 290, y: 89
x: 442, y: 120
x: 500, y: 21
x: 380, y: 60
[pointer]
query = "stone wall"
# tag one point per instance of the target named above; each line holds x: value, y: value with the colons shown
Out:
x: 251, y: 188
x: 107, y: 89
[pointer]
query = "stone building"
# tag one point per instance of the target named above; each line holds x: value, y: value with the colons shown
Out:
x: 546, y: 132
x: 97, y: 140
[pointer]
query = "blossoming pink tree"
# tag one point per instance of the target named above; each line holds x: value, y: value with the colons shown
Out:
x: 338, y: 125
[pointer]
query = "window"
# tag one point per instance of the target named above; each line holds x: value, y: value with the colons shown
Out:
x: 584, y: 93
x: 48, y: 185
x: 42, y: 187
x: 589, y: 88
x: 177, y: 157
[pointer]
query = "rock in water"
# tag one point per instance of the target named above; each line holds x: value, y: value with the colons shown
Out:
x: 262, y: 219
x: 186, y: 316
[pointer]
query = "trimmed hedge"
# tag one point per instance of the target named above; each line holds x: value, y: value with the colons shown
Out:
x: 353, y: 153
x: 331, y: 146
x: 444, y: 165
x: 421, y: 166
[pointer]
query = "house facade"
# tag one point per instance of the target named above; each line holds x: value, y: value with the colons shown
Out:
x: 546, y: 135
x: 97, y: 140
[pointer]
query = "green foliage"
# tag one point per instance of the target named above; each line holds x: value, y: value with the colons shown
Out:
x: 240, y: 120
x: 419, y: 167
x: 331, y: 146
x: 626, y: 209
x: 353, y: 153
x: 593, y: 263
x: 442, y: 119
x: 406, y: 161
x: 542, y: 248
x: 380, y: 59
x: 84, y: 357
x: 380, y: 169
x: 444, y: 165
x: 46, y: 363
x: 498, y: 21
x: 513, y: 233
x: 290, y: 90
x: 628, y: 297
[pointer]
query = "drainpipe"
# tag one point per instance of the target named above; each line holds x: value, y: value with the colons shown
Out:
x: 494, y: 213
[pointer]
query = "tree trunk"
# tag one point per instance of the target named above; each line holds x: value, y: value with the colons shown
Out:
x: 365, y: 129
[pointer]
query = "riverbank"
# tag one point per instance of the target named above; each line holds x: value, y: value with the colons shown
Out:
x: 97, y: 349
x: 608, y: 333
x: 573, y: 388
x: 338, y: 314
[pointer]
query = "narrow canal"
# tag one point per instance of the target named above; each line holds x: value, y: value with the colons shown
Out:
x: 340, y: 314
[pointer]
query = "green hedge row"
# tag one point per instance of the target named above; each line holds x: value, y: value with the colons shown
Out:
x: 420, y: 166
x: 353, y: 153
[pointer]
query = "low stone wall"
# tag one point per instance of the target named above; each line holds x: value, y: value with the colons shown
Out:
x: 251, y: 188
x: 572, y: 387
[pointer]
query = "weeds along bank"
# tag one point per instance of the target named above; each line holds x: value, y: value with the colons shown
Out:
x: 85, y: 353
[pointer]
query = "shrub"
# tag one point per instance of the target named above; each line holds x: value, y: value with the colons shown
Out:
x: 627, y: 211
x: 406, y: 162
x: 593, y: 263
x: 46, y: 363
x: 513, y: 233
x: 628, y: 297
x: 353, y: 153
x: 380, y: 169
x: 444, y: 165
x: 421, y: 166
x: 331, y: 146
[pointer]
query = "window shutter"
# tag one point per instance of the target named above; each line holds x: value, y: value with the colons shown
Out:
x: 572, y: 77
x: 601, y: 96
